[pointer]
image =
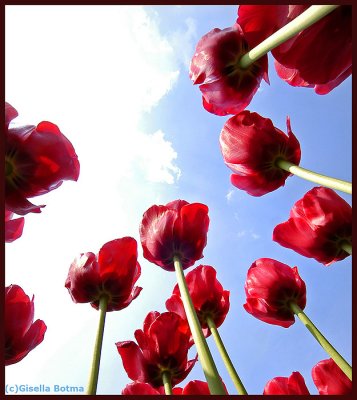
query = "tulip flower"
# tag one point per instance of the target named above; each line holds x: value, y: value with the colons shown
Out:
x: 195, y: 387
x: 270, y: 287
x: 106, y: 281
x: 13, y: 227
x: 179, y: 228
x: 209, y: 298
x: 251, y: 146
x: 319, y: 227
x: 304, y: 60
x: 21, y: 334
x: 112, y: 273
x: 37, y: 160
x: 275, y: 293
x: 293, y: 385
x: 226, y: 87
x: 160, y: 355
x: 329, y: 378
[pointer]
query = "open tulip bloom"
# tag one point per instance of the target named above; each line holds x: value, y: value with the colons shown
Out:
x: 262, y: 157
x: 22, y: 334
x: 304, y: 60
x: 106, y: 281
x: 37, y: 160
x: 226, y: 87
x: 275, y: 294
x: 211, y: 303
x: 319, y: 227
x: 173, y: 237
x: 160, y: 355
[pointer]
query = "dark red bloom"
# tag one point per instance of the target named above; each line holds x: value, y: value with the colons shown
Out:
x: 192, y: 388
x: 21, y: 334
x: 270, y: 287
x: 318, y: 224
x: 226, y: 87
x: 207, y: 294
x: 329, y: 378
x: 163, y: 345
x: 37, y: 160
x: 113, y: 272
x: 294, y: 384
x: 304, y: 60
x: 179, y: 228
x: 13, y: 227
x: 251, y: 145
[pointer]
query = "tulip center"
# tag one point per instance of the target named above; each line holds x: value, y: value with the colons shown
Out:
x: 9, y: 168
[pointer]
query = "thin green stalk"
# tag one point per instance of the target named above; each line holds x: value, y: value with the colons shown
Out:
x: 94, y: 372
x: 347, y: 247
x: 225, y: 357
x: 326, y: 345
x: 303, y: 21
x: 209, y: 368
x: 311, y: 176
x: 166, y: 379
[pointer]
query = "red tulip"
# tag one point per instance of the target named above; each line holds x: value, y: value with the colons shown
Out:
x: 21, y: 334
x: 192, y: 388
x: 179, y: 228
x: 318, y: 224
x: 37, y: 160
x: 304, y: 60
x: 13, y: 227
x: 139, y: 388
x: 250, y: 146
x: 270, y: 287
x: 226, y: 88
x: 207, y: 294
x: 294, y: 384
x: 113, y: 272
x: 163, y: 346
x: 329, y: 378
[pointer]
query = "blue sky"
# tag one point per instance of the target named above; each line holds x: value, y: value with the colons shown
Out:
x: 115, y: 80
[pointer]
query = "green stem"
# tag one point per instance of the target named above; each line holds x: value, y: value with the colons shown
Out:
x: 311, y: 176
x: 301, y: 22
x: 94, y: 372
x: 225, y: 357
x: 209, y: 368
x: 166, y: 379
x: 326, y: 345
x: 347, y: 247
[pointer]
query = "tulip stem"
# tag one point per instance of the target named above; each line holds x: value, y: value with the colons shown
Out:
x: 326, y: 345
x: 311, y: 176
x: 209, y: 368
x: 225, y: 357
x: 301, y: 22
x: 166, y: 379
x: 347, y: 247
x: 94, y: 372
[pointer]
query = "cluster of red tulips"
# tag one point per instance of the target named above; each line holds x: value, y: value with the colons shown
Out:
x: 228, y: 65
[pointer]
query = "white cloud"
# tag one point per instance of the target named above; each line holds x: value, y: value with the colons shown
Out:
x: 229, y: 195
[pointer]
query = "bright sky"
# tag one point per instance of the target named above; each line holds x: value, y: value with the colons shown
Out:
x: 115, y: 80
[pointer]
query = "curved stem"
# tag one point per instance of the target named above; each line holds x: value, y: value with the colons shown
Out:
x: 225, y: 357
x: 94, y: 372
x: 301, y: 22
x: 209, y: 368
x: 347, y: 247
x: 166, y: 379
x: 311, y: 176
x: 326, y: 345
